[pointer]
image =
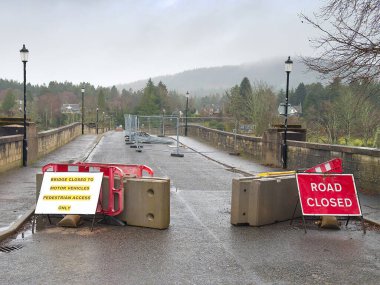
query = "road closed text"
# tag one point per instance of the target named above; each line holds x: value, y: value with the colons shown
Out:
x: 328, y: 202
x: 332, y: 202
x: 328, y: 187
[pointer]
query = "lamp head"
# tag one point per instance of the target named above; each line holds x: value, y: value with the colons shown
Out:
x: 24, y: 53
x: 288, y: 65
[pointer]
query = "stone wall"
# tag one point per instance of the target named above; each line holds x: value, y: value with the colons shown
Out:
x: 38, y: 144
x: 364, y: 163
x: 251, y: 146
x: 49, y: 141
x: 10, y: 152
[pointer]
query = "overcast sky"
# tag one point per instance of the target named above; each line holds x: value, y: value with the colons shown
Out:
x: 107, y: 42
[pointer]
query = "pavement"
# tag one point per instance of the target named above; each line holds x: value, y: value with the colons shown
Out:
x: 18, y: 195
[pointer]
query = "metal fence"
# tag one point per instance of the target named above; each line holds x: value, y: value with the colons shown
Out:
x: 167, y: 125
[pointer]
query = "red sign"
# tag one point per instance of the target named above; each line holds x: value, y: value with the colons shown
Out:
x: 328, y: 194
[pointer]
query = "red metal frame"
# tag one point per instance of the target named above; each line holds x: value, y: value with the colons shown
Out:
x: 331, y: 166
x: 109, y: 170
x: 128, y: 169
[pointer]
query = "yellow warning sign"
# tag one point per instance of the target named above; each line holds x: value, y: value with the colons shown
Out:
x: 71, y: 193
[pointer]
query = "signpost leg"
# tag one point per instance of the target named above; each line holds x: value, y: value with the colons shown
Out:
x: 304, y: 223
x: 303, y: 217
x: 361, y: 217
x: 348, y: 219
x: 294, y: 212
x: 33, y: 223
x: 93, y: 222
x: 363, y: 225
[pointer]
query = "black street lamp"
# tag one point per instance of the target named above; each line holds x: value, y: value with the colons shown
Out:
x: 288, y: 69
x: 103, y: 122
x: 187, y: 106
x: 24, y: 53
x: 82, y: 110
x: 163, y: 122
x: 97, y: 119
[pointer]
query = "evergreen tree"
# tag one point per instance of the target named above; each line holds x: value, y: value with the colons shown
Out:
x: 9, y: 102
x: 101, y: 100
x: 299, y: 95
x: 150, y: 102
x: 245, y: 91
x: 114, y: 93
x: 245, y: 88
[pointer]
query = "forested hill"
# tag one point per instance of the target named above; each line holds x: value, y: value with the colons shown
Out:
x: 203, y: 81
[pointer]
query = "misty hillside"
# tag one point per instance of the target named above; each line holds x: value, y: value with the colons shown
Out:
x: 205, y: 81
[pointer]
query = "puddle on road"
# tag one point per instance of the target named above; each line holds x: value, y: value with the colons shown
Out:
x: 354, y: 225
x: 24, y: 234
x: 42, y: 224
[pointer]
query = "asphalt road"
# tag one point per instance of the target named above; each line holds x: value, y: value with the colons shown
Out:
x: 200, y: 246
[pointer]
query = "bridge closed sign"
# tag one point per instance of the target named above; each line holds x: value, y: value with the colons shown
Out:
x: 328, y: 194
x: 69, y: 193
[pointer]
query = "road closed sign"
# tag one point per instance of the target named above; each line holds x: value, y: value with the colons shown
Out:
x: 328, y: 194
x: 69, y: 193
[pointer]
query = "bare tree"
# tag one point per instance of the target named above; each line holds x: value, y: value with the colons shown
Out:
x: 349, y: 45
x: 262, y: 106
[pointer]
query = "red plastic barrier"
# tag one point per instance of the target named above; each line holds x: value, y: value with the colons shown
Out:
x: 331, y: 166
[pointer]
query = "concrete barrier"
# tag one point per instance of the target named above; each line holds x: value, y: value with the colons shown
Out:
x: 146, y: 202
x: 241, y: 187
x: 263, y: 201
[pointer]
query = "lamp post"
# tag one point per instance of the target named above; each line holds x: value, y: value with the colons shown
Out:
x: 82, y: 110
x: 24, y: 53
x: 187, y: 105
x: 288, y: 69
x: 163, y: 122
x: 103, y: 122
x: 97, y: 119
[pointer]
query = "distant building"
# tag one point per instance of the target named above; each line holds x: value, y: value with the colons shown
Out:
x: 298, y: 109
x: 70, y: 109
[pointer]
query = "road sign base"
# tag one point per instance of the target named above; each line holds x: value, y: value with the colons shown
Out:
x: 139, y: 150
x: 136, y: 146
x: 177, y: 154
x: 109, y: 220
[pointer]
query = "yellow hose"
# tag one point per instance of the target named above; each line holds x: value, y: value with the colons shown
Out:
x: 280, y: 173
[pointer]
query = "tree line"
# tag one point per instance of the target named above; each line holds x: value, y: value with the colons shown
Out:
x: 44, y: 102
x: 337, y: 113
